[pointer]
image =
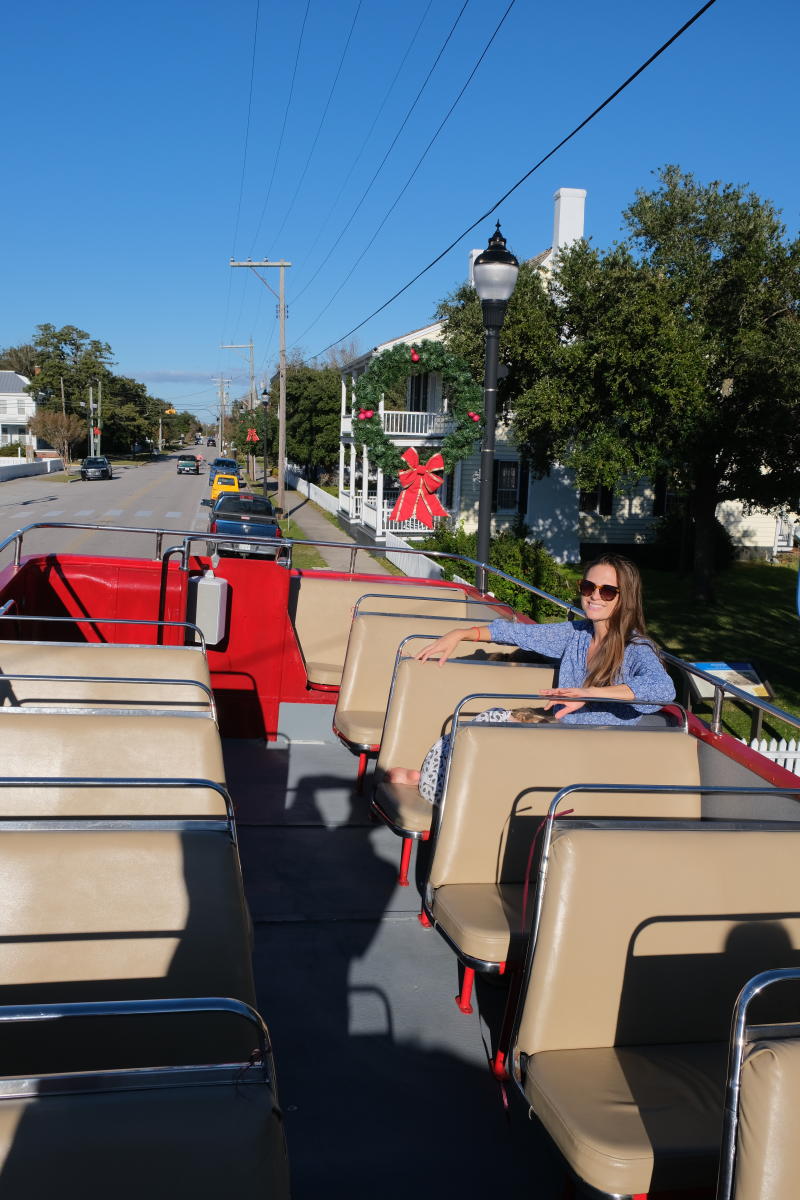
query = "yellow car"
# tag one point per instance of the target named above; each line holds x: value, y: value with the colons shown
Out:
x: 223, y: 483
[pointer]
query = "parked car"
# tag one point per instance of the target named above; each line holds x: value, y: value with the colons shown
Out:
x: 244, y: 515
x: 223, y: 483
x: 228, y: 465
x: 211, y: 442
x: 188, y: 464
x: 97, y: 467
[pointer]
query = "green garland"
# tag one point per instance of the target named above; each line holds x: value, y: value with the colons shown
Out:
x: 392, y: 367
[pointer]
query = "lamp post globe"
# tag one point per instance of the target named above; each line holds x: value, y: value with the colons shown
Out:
x: 494, y: 274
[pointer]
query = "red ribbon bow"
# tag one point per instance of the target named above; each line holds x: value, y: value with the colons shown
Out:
x: 416, y: 501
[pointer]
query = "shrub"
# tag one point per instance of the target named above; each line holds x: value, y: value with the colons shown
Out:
x: 673, y: 547
x: 511, y: 551
x: 12, y: 450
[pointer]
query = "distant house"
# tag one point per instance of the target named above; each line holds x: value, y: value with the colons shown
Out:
x: 16, y: 408
x: 570, y: 522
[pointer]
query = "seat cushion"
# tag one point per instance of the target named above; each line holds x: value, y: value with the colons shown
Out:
x: 484, y: 920
x: 360, y: 727
x: 631, y: 1119
x: 403, y: 807
x: 324, y: 672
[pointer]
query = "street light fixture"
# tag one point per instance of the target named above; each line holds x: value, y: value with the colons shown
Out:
x: 265, y: 407
x: 494, y: 273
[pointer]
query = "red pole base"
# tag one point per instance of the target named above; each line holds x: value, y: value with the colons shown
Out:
x: 405, y: 859
x: 498, y: 1065
x: 465, y: 995
x: 422, y: 917
x: 363, y: 759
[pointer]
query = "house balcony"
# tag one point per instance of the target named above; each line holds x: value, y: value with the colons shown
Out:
x: 375, y: 516
x: 402, y: 424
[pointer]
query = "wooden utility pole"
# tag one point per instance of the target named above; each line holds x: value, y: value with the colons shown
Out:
x: 251, y: 403
x: 281, y: 295
x: 222, y: 382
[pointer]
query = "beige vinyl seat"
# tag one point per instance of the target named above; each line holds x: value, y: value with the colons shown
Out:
x: 369, y: 666
x: 502, y: 780
x: 321, y: 609
x: 645, y: 938
x: 760, y: 1157
x: 422, y: 700
x: 110, y: 746
x: 171, y: 677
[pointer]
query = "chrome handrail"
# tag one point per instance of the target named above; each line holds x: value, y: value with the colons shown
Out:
x: 140, y: 679
x: 721, y: 688
x: 196, y: 630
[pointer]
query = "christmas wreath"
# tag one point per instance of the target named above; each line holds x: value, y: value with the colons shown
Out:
x: 392, y: 368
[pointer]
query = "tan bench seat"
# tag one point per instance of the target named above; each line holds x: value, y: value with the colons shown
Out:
x: 322, y: 610
x: 157, y: 664
x: 646, y: 937
x: 71, y: 745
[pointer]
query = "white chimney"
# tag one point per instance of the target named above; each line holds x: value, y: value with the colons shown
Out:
x: 568, y: 216
x: 471, y: 256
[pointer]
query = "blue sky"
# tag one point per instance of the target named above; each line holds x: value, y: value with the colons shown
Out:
x: 126, y: 151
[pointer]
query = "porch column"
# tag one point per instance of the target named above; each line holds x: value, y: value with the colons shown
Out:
x: 456, y: 492
x: 380, y: 528
x: 364, y: 480
x: 341, y: 475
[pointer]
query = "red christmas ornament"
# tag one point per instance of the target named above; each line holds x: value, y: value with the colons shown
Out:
x: 414, y: 355
x: 366, y: 413
x: 474, y: 416
x: 416, y: 500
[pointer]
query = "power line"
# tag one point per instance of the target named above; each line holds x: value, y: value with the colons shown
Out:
x: 321, y: 123
x: 283, y: 127
x: 419, y: 163
x: 389, y: 149
x: 348, y: 174
x: 696, y: 16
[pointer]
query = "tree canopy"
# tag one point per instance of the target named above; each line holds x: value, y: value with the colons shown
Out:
x: 677, y: 351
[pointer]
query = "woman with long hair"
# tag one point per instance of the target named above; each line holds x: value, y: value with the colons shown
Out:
x: 604, y: 661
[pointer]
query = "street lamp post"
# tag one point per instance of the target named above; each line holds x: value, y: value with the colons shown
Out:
x: 265, y: 408
x: 494, y: 273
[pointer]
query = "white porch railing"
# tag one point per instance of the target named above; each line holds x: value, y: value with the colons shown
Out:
x: 784, y: 534
x: 416, y: 424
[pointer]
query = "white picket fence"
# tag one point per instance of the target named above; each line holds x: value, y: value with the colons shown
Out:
x: 785, y: 754
x: 323, y: 499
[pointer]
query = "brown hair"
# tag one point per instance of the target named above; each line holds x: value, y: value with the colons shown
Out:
x: 626, y: 623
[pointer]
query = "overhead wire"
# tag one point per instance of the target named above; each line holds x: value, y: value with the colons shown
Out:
x: 331, y: 208
x: 310, y: 155
x: 388, y: 151
x: 417, y: 166
x: 595, y: 112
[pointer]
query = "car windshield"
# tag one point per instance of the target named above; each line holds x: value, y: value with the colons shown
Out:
x: 187, y: 458
x: 95, y: 462
x: 222, y: 480
x: 245, y: 506
x: 228, y: 464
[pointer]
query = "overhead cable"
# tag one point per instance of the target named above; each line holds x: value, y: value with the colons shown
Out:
x: 648, y: 62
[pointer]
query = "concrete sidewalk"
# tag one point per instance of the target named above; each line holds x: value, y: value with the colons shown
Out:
x: 317, y: 527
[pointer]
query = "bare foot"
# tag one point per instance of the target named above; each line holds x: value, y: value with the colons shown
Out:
x: 405, y: 775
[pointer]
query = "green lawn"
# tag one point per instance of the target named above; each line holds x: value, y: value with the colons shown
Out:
x: 303, y: 557
x: 754, y: 620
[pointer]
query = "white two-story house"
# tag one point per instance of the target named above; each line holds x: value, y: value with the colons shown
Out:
x: 16, y: 408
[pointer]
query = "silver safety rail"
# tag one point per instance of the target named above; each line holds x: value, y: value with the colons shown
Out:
x: 154, y: 706
x: 722, y: 690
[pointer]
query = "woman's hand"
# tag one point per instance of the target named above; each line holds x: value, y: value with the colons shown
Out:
x: 577, y: 697
x: 444, y: 646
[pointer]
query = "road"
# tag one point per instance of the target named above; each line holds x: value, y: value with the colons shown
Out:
x: 149, y: 494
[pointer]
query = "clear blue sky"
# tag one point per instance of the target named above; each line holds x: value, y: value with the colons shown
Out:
x: 126, y: 148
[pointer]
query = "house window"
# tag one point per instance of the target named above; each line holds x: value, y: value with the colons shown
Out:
x: 418, y: 393
x: 510, y: 486
x: 599, y: 500
x: 665, y: 500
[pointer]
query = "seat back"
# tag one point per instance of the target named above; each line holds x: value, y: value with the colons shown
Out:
x: 372, y: 651
x: 647, y: 935
x: 503, y: 778
x: 322, y: 610
x: 424, y: 696
x: 113, y: 747
x: 767, y: 1146
x: 177, y: 676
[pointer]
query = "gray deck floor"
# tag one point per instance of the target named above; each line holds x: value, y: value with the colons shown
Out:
x: 384, y: 1083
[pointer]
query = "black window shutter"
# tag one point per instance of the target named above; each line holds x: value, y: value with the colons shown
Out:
x: 522, y: 494
x: 494, y: 485
x: 606, y: 502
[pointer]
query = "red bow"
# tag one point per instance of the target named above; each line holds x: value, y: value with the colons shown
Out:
x: 416, y: 501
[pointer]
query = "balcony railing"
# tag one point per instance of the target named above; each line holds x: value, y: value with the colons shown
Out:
x: 416, y: 424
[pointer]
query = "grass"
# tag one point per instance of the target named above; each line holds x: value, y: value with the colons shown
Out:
x: 303, y: 557
x: 753, y: 620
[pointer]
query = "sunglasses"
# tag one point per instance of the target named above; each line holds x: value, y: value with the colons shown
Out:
x: 607, y: 591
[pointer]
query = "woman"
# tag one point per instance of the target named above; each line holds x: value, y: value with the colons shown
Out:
x: 607, y: 657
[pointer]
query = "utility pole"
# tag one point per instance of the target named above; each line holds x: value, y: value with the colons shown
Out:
x: 91, y: 421
x: 251, y: 403
x: 63, y: 399
x: 221, y: 428
x: 99, y: 412
x: 281, y: 294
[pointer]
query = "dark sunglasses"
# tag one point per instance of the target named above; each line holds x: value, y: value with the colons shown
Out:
x: 607, y: 590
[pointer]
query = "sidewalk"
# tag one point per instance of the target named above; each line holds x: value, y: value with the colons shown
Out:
x: 317, y: 527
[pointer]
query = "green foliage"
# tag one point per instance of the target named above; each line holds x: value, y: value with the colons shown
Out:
x: 11, y: 450
x: 387, y: 375
x: 313, y: 410
x: 512, y: 552
x: 21, y: 359
x: 673, y: 548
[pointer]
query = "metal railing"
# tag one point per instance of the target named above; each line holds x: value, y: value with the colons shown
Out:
x: 722, y: 690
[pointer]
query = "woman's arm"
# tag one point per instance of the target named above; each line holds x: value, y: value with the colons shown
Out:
x: 549, y: 640
x: 644, y: 673
x: 576, y: 697
x: 443, y: 647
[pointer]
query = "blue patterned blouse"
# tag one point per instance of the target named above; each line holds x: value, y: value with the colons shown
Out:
x: 569, y: 642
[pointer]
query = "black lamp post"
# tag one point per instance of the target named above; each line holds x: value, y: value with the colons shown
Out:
x: 265, y: 407
x: 494, y: 273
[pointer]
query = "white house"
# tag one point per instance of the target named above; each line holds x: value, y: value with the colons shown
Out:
x: 567, y: 520
x: 16, y: 408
